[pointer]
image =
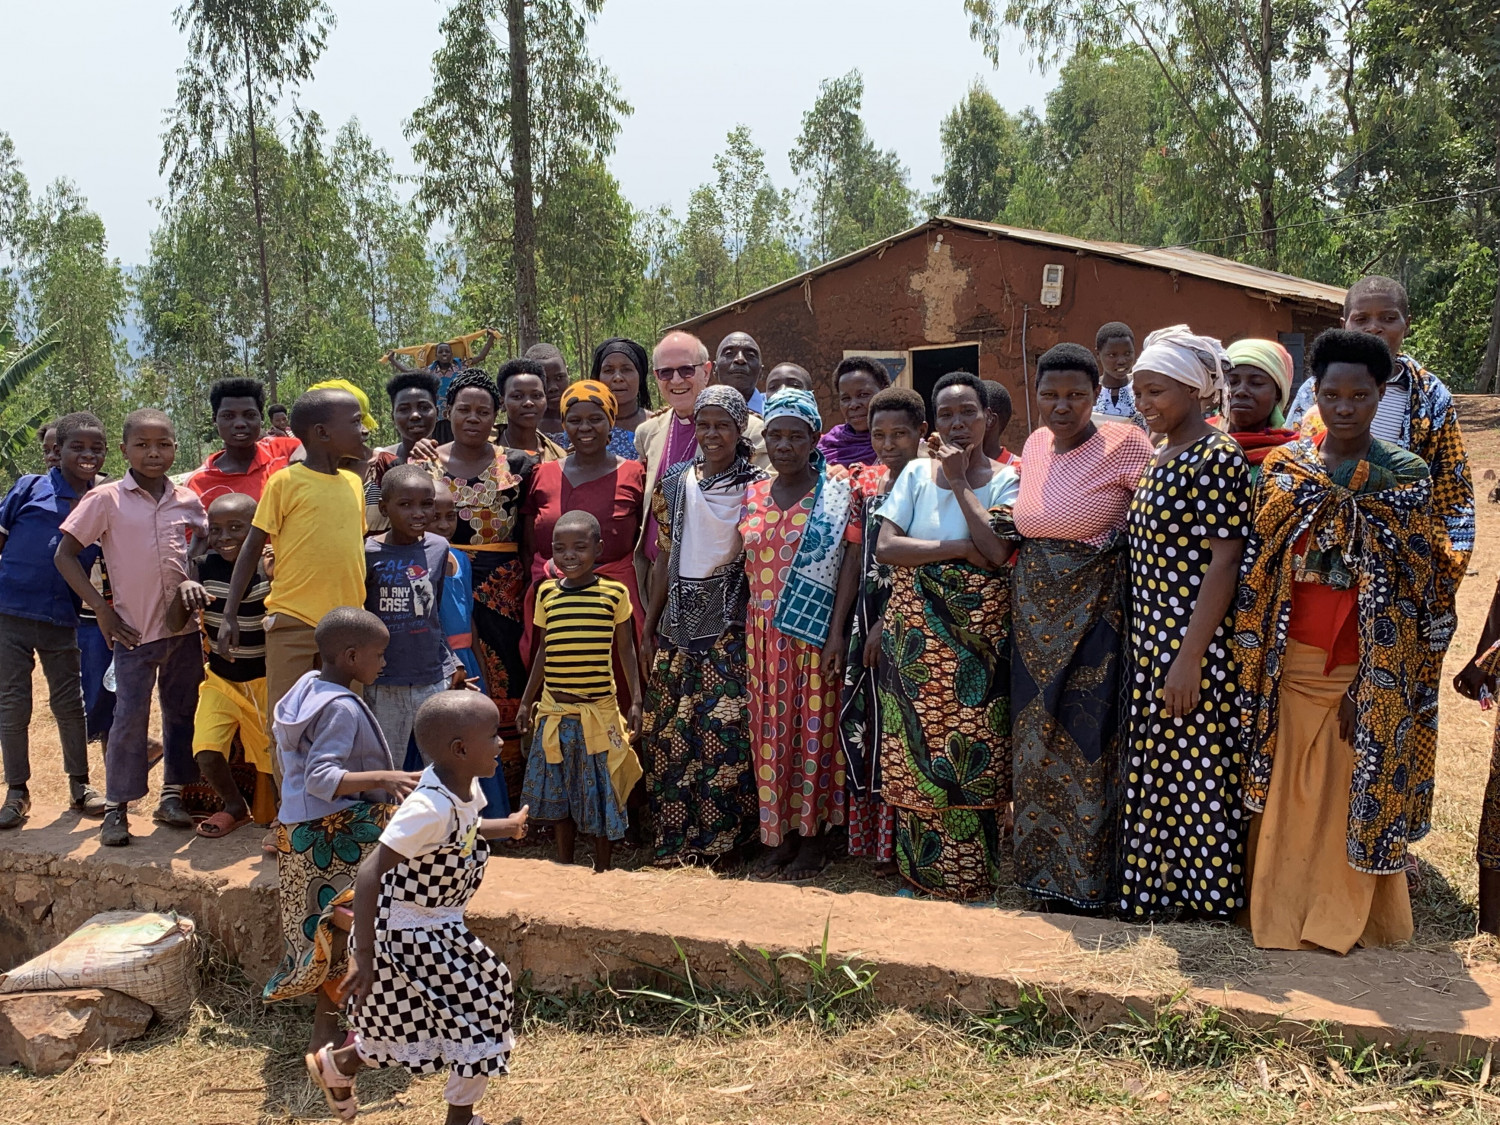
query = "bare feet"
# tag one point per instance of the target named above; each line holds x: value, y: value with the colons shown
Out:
x: 812, y: 859
x: 771, y: 864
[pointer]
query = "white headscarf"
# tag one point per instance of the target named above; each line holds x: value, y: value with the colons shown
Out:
x: 1199, y: 361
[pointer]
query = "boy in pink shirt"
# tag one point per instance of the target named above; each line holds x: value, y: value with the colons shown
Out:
x: 142, y: 523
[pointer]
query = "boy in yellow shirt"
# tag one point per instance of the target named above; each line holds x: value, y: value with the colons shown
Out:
x: 313, y: 515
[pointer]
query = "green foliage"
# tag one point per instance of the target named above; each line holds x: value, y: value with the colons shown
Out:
x: 1450, y: 334
x: 855, y: 194
x: 1177, y: 1036
x: 828, y: 992
x: 983, y: 152
x: 461, y: 136
x: 243, y: 55
x: 351, y: 269
x: 19, y: 363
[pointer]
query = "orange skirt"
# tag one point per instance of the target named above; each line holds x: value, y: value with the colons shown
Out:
x: 1303, y: 893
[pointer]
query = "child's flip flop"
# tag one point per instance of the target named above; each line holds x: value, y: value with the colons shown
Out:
x: 219, y: 825
x: 328, y: 1078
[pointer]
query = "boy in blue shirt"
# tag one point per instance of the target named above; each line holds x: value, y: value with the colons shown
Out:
x: 39, y: 615
x: 405, y: 569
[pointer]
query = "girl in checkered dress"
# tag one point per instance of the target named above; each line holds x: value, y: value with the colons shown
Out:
x: 424, y: 992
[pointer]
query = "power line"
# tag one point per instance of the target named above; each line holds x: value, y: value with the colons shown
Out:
x: 1341, y: 217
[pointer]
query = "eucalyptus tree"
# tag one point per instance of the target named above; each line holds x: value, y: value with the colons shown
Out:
x: 243, y: 56
x: 518, y: 104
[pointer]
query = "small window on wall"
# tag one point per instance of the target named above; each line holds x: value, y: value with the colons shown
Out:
x: 897, y: 364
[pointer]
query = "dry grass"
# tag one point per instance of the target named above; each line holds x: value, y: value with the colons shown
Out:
x: 235, y: 1061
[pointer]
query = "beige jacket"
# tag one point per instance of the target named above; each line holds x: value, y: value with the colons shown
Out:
x: 651, y: 446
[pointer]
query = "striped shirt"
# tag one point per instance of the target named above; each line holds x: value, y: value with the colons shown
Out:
x: 580, y: 626
x: 249, y: 661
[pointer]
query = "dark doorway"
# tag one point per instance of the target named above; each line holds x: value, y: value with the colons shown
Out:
x: 928, y: 365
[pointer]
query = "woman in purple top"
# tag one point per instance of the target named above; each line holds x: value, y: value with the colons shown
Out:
x: 858, y: 379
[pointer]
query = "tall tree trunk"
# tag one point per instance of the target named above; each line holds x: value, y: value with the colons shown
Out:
x: 1489, y: 370
x: 370, y: 260
x: 1267, y: 184
x: 260, y: 225
x: 523, y: 230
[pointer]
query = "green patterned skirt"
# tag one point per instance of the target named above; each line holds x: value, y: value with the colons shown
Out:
x: 945, y: 724
x: 317, y: 860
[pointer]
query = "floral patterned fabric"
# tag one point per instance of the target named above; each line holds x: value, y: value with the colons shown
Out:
x: 316, y: 861
x: 700, y: 772
x: 872, y: 822
x: 793, y: 711
x: 944, y: 693
x: 578, y: 788
x: 489, y: 508
x: 1369, y: 525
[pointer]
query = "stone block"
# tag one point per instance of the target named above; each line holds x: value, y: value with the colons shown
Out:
x: 46, y: 1032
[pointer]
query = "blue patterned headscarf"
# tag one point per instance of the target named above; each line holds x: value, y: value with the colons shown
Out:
x: 794, y: 402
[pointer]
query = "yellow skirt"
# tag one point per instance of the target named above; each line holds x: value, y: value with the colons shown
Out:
x: 1303, y: 893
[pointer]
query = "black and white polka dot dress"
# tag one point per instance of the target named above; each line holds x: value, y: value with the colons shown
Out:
x: 440, y: 995
x: 1183, y: 830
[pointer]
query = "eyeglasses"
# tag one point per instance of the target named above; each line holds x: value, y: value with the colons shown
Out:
x: 667, y: 374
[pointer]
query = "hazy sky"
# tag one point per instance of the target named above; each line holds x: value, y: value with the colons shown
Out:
x: 85, y: 84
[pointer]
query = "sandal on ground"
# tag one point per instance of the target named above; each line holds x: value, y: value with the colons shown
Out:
x: 16, y: 809
x: 1413, y: 874
x: 268, y: 841
x: 765, y: 871
x: 768, y: 868
x: 219, y: 825
x: 328, y: 1078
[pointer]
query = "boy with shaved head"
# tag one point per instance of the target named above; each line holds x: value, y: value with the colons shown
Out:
x: 232, y: 696
x: 313, y: 515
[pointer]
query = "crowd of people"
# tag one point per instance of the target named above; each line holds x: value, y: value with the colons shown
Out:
x: 1176, y: 659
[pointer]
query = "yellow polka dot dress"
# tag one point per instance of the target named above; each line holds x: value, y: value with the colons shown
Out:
x: 1183, y: 829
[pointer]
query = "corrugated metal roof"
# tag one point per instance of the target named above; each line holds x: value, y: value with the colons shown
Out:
x: 1195, y: 263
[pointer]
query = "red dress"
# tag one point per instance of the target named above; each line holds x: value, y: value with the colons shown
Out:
x: 794, y: 712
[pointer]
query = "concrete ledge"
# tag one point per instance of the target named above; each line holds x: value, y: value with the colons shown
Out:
x: 568, y: 928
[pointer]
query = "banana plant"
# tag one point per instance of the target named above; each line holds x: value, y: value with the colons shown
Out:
x: 18, y: 363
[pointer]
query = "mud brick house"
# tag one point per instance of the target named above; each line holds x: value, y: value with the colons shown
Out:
x: 955, y: 294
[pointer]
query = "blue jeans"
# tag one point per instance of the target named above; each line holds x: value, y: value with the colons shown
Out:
x: 174, y: 666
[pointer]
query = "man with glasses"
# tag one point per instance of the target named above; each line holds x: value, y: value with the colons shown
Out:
x: 669, y: 437
x: 738, y: 365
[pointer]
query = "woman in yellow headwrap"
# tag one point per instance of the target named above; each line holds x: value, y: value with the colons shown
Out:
x: 1260, y: 387
x: 590, y: 479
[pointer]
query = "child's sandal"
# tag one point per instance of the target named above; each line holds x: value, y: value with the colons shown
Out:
x: 328, y: 1078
